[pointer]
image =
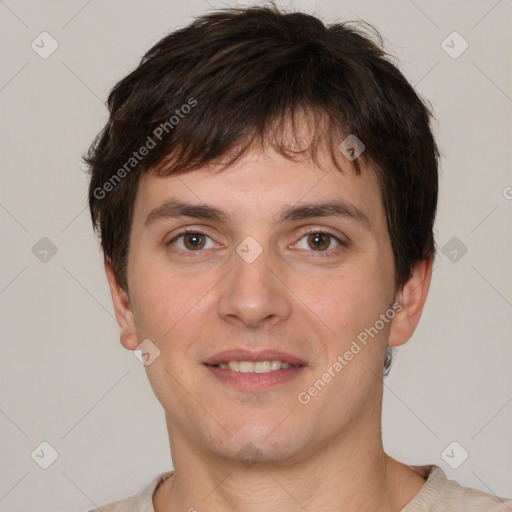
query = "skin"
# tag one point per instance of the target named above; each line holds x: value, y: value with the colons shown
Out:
x: 322, y: 456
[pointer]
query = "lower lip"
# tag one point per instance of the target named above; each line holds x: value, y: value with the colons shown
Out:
x: 255, y: 381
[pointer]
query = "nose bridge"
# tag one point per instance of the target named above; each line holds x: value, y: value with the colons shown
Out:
x: 253, y: 293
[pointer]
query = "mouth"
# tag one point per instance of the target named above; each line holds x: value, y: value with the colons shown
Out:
x: 254, y: 371
x: 255, y: 367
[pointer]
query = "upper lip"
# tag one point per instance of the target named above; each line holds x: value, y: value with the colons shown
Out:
x: 247, y: 355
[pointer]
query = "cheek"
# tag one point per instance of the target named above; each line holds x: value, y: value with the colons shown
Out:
x: 170, y: 308
x: 160, y: 300
x: 346, y: 309
x: 343, y: 301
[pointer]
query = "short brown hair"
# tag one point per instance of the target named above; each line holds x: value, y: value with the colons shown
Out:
x: 244, y: 74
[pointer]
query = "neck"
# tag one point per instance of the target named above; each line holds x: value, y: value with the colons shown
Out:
x: 349, y: 473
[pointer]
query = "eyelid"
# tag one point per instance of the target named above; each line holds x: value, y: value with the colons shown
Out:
x: 326, y: 231
x: 194, y: 231
x: 343, y: 243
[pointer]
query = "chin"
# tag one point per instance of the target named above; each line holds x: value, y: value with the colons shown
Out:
x: 256, y: 442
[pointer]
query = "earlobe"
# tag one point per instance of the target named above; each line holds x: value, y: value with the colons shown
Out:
x: 411, y: 297
x: 122, y: 309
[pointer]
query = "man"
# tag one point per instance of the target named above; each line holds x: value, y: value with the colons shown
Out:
x: 265, y: 190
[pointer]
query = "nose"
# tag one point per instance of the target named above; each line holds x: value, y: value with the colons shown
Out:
x: 254, y: 293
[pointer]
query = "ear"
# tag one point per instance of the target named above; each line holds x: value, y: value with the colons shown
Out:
x: 123, y: 310
x: 412, y: 297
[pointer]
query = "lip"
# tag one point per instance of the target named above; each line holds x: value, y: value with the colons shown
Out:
x: 255, y: 382
x: 247, y: 355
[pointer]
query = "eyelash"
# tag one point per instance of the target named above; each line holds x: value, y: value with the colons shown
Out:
x: 322, y: 254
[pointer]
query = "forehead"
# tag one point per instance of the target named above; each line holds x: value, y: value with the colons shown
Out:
x: 259, y: 185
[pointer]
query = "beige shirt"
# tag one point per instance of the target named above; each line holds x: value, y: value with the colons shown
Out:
x: 438, y: 494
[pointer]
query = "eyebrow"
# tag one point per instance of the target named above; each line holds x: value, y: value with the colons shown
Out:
x: 174, y: 208
x: 338, y: 208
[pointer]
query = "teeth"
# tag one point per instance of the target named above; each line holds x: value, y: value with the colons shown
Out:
x: 246, y: 367
x: 262, y: 367
x: 234, y: 365
x: 254, y: 367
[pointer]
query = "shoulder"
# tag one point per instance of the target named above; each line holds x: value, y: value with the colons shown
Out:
x: 111, y: 507
x: 467, y: 498
x: 140, y: 502
x: 117, y: 506
x: 445, y: 495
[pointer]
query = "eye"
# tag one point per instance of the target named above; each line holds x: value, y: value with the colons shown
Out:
x: 192, y: 241
x: 320, y: 241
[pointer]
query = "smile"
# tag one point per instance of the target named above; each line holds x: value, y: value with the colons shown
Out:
x: 254, y: 366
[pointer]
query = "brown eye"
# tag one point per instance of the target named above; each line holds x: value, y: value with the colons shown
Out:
x: 322, y: 242
x: 319, y: 241
x: 194, y: 241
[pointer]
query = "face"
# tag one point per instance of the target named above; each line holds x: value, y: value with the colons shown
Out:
x: 254, y: 275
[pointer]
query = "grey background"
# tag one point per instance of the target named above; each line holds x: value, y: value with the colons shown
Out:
x: 65, y: 378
